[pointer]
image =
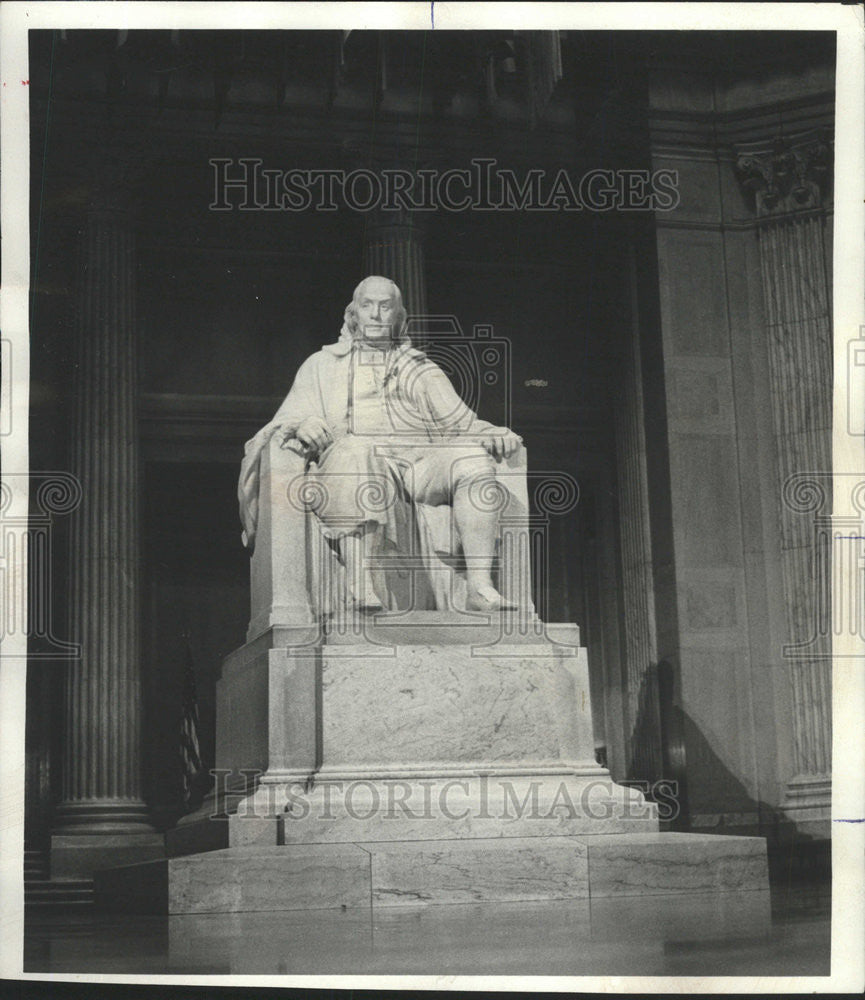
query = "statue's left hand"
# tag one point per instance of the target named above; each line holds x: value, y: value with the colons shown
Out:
x: 501, y: 442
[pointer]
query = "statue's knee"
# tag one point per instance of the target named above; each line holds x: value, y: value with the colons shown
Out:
x: 482, y: 490
x: 472, y: 463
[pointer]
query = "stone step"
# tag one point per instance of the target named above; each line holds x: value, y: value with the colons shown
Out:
x: 35, y: 865
x: 53, y: 905
x: 58, y: 892
x: 571, y: 799
x: 408, y: 873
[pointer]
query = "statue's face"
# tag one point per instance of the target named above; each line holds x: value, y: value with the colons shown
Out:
x: 375, y: 310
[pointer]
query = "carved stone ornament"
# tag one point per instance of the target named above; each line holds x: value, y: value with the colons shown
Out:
x: 792, y: 175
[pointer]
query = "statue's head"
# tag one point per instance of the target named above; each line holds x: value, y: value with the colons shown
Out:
x: 376, y: 311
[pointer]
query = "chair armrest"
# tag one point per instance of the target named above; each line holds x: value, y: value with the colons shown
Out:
x: 279, y: 588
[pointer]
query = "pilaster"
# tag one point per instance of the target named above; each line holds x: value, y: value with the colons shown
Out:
x: 788, y: 180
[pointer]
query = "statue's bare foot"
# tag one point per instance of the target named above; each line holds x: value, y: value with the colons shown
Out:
x: 487, y: 598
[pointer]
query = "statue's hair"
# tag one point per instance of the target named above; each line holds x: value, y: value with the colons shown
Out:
x: 400, y: 315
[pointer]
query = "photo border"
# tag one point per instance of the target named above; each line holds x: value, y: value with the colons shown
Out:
x: 848, y: 801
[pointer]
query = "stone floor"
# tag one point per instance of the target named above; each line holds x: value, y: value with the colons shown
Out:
x: 782, y: 932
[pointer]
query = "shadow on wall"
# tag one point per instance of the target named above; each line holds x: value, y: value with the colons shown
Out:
x: 663, y: 737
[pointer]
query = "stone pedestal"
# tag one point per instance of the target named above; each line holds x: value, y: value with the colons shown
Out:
x: 437, y: 872
x: 417, y: 759
x: 426, y: 726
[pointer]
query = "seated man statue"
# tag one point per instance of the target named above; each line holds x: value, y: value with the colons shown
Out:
x: 371, y: 410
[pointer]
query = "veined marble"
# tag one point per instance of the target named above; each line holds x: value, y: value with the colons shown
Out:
x: 449, y: 704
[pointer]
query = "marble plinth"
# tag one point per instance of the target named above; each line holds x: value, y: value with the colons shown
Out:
x: 238, y: 880
x: 395, y: 766
x: 651, y: 863
x: 416, y: 804
x: 405, y: 874
x: 386, y: 728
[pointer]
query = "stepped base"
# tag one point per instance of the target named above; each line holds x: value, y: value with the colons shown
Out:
x: 79, y: 855
x: 411, y: 804
x: 424, y: 760
x: 408, y: 873
x: 35, y: 865
x: 52, y: 894
x: 388, y: 736
x: 808, y: 805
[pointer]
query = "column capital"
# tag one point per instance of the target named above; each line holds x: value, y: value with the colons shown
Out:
x: 790, y: 173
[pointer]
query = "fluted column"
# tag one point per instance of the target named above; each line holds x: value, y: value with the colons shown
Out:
x: 394, y: 249
x: 102, y: 701
x: 638, y: 596
x: 788, y: 183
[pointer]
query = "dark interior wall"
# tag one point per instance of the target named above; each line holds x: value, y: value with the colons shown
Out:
x: 195, y: 600
x: 217, y: 324
x: 227, y: 325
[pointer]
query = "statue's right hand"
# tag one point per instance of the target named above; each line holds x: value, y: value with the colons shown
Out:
x: 314, y: 433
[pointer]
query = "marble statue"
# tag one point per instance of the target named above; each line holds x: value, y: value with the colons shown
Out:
x: 376, y: 418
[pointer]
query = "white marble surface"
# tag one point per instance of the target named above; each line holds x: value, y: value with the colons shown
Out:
x: 262, y: 879
x: 647, y: 863
x: 463, y: 807
x: 478, y: 871
x: 278, y: 585
x: 440, y: 872
x: 241, y: 879
x: 447, y: 704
